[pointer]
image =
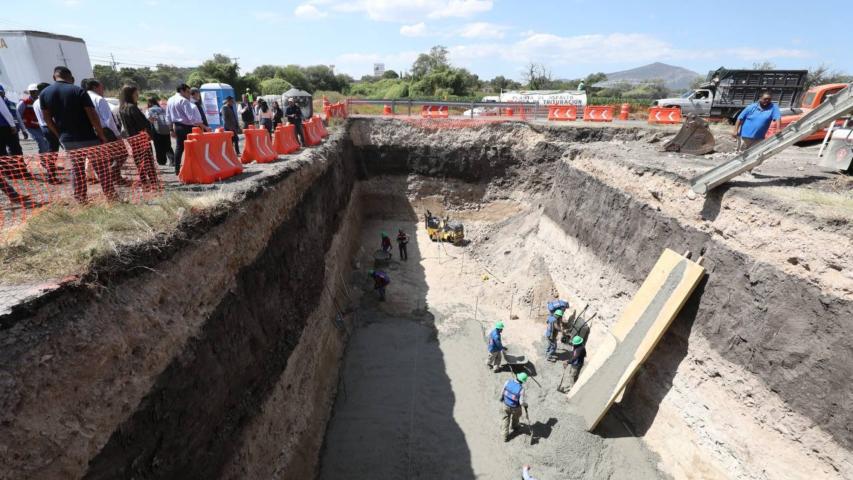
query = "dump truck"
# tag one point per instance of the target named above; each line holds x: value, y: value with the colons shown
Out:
x: 813, y: 98
x: 726, y: 92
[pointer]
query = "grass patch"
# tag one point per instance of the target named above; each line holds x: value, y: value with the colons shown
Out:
x: 64, y: 239
x: 836, y: 203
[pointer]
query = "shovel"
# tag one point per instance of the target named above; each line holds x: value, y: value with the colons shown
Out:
x: 529, y: 425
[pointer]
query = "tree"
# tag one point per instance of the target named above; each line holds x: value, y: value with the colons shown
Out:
x: 263, y: 72
x: 594, y: 78
x: 274, y: 86
x: 294, y: 75
x: 537, y: 76
x: 219, y: 69
x: 426, y: 63
x: 107, y: 76
x: 321, y: 77
x: 390, y: 74
x: 822, y: 75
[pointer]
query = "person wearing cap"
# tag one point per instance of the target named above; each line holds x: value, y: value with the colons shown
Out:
x: 229, y: 121
x: 552, y: 330
x: 294, y: 116
x: 576, y: 362
x: 513, y: 398
x: 495, y: 348
x: 29, y: 119
x: 196, y: 98
x: 380, y: 281
x: 184, y: 115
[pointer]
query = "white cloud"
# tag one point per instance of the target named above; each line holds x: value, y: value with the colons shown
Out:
x: 414, y: 10
x: 416, y: 30
x: 483, y: 30
x: 308, y: 11
x: 631, y: 48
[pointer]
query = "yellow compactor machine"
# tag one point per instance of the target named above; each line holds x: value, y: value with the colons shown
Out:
x: 443, y: 230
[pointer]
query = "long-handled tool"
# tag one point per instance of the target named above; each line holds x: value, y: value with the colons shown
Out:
x: 563, y: 377
x: 577, y: 318
x: 529, y: 425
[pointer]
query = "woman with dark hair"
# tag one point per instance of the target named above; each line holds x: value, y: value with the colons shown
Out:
x: 160, y: 131
x: 265, y: 114
x: 135, y: 123
x: 277, y: 115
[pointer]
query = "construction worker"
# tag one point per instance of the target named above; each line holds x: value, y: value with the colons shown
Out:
x: 525, y: 473
x: 380, y: 281
x: 496, y: 348
x: 557, y: 304
x: 386, y: 243
x: 402, y: 242
x: 513, y: 399
x: 553, y: 327
x: 576, y: 362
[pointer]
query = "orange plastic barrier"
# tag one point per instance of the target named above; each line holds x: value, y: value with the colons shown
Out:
x: 284, y: 139
x: 312, y: 136
x: 434, y: 111
x: 321, y: 129
x: 664, y: 115
x: 335, y: 110
x: 509, y: 112
x: 386, y: 110
x: 625, y: 111
x: 123, y: 170
x: 562, y: 112
x: 598, y: 113
x: 209, y: 157
x: 258, y: 147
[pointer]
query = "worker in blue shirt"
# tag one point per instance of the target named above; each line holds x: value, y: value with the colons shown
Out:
x: 754, y: 121
x: 496, y: 347
x: 380, y: 282
x: 513, y: 398
x: 552, y: 330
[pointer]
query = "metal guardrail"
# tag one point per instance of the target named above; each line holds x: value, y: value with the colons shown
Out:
x: 528, y: 109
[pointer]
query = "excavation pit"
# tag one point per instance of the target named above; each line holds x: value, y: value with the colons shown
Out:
x: 249, y: 343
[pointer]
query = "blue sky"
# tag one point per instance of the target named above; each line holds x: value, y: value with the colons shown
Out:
x: 489, y: 37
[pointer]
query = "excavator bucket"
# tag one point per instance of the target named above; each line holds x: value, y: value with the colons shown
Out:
x: 694, y: 138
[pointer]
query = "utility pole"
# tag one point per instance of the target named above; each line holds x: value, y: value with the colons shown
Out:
x: 113, y: 62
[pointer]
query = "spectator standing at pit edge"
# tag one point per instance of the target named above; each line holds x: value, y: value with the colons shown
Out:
x: 9, y: 143
x: 52, y: 141
x: 277, y: 115
x: 15, y: 113
x: 95, y: 89
x: 230, y: 123
x: 135, y: 122
x: 160, y: 129
x: 247, y: 113
x: 294, y: 117
x: 30, y: 120
x: 265, y: 115
x: 71, y: 116
x: 754, y: 121
x: 196, y: 94
x: 184, y: 116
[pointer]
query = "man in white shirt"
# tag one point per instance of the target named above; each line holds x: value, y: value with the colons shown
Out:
x: 52, y: 141
x: 95, y: 89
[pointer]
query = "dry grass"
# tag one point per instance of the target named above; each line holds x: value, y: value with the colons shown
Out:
x: 64, y: 239
x: 836, y: 203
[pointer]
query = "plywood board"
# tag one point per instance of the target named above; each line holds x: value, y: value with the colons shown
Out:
x: 635, y: 335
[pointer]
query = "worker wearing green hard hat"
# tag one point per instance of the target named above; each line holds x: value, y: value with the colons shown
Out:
x: 553, y: 327
x: 576, y: 362
x: 513, y: 398
x: 386, y: 244
x: 495, y: 347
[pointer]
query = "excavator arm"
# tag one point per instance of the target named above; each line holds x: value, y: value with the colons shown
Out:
x: 833, y: 108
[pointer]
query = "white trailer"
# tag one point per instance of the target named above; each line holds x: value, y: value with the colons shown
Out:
x: 28, y: 56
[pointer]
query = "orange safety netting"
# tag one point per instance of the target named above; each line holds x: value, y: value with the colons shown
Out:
x: 123, y: 170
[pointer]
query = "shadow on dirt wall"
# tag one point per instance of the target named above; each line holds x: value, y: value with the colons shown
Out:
x: 653, y: 381
x: 393, y: 418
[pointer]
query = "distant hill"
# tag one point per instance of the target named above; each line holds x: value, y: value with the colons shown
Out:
x: 674, y: 77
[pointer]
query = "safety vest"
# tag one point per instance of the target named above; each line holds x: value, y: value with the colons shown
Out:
x: 29, y: 114
x: 495, y: 344
x: 512, y: 393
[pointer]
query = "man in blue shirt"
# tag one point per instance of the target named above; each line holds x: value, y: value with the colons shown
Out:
x: 70, y: 115
x: 495, y: 347
x: 513, y: 398
x: 754, y: 121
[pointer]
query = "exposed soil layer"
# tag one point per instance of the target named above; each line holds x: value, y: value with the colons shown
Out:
x: 215, y: 352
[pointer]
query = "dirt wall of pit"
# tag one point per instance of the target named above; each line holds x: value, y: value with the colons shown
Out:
x: 177, y: 362
x: 777, y: 328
